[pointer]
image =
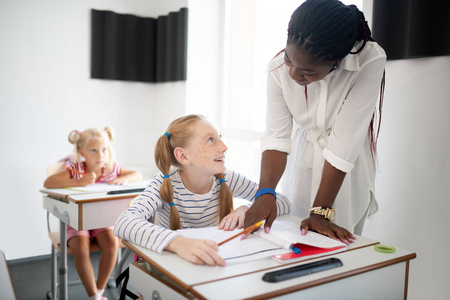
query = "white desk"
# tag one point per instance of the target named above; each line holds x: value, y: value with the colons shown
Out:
x: 365, y: 274
x: 82, y: 211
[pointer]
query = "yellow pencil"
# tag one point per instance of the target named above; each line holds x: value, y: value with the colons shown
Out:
x: 254, y: 226
x: 73, y: 170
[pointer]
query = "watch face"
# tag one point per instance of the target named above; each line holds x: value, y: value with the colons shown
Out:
x: 332, y: 214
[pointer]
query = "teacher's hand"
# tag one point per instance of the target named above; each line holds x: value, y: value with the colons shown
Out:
x: 325, y: 227
x: 264, y: 208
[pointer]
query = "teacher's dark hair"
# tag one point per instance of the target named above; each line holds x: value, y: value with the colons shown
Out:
x: 328, y: 30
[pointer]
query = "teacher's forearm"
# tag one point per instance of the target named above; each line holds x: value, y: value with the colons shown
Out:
x: 330, y: 185
x: 273, y: 164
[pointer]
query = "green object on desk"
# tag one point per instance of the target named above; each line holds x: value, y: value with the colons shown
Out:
x: 384, y: 248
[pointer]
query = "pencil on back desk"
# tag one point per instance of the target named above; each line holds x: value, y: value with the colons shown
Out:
x: 73, y: 170
x: 254, y: 226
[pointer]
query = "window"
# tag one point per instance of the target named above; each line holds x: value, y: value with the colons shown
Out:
x: 227, y: 69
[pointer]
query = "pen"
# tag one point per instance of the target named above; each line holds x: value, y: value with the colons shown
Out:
x: 73, y: 170
x: 254, y: 226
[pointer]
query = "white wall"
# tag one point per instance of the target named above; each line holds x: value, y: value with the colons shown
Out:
x: 46, y: 91
x: 413, y: 183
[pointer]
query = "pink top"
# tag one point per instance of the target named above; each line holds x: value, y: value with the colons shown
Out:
x: 106, y: 176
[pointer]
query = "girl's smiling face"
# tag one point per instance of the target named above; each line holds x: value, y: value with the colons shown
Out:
x: 303, y: 69
x: 206, y: 151
x: 96, y: 154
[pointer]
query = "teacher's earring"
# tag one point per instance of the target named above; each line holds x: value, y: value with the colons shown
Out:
x: 335, y: 66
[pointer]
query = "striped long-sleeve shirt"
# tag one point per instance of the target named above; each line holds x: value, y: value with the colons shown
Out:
x: 195, y: 210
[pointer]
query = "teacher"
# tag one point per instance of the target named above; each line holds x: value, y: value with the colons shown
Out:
x: 322, y: 95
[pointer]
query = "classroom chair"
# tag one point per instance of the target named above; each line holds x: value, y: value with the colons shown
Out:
x: 6, y: 286
x: 55, y: 245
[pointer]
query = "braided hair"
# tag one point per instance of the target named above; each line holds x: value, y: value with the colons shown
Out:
x: 328, y: 30
x: 178, y: 134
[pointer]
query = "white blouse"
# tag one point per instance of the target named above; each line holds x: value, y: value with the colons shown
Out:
x: 334, y: 121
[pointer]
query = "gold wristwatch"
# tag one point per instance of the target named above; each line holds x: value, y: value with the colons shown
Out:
x: 326, y: 212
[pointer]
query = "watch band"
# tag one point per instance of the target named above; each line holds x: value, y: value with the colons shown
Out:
x: 326, y: 212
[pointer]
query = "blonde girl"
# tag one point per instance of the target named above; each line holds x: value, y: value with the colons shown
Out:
x: 193, y: 189
x: 94, y: 163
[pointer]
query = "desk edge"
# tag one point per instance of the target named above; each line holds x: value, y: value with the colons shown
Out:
x: 336, y: 277
x: 186, y: 287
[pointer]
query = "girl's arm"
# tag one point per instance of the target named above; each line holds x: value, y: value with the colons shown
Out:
x: 132, y: 225
x: 196, y: 251
x: 127, y: 176
x: 63, y: 179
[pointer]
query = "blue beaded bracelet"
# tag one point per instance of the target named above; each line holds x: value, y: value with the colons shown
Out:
x: 266, y: 191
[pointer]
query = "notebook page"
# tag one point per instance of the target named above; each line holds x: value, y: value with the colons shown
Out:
x: 235, y: 250
x: 291, y: 232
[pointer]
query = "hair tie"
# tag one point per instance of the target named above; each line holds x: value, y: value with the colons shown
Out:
x: 222, y: 180
x: 167, y: 134
x: 171, y: 204
x: 79, y: 132
x: 367, y: 33
x: 166, y: 176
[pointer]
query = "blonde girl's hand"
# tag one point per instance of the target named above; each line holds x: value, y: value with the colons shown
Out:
x: 88, y: 178
x: 196, y: 251
x: 119, y: 181
x: 126, y: 176
x: 236, y: 217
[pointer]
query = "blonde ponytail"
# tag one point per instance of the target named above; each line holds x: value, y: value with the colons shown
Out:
x: 110, y: 132
x: 225, y: 198
x: 163, y: 160
x: 74, y: 136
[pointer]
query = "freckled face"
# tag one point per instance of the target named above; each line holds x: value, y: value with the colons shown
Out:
x: 206, y: 151
x: 302, y: 68
x: 96, y: 154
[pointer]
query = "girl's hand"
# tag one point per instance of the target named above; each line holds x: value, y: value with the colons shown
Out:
x: 88, y: 178
x: 236, y: 217
x: 323, y: 226
x: 119, y: 181
x: 196, y: 251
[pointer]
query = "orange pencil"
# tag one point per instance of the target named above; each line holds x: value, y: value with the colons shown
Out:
x: 73, y: 170
x: 254, y: 226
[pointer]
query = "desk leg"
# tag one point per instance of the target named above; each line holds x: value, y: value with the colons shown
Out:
x: 120, y: 263
x: 63, y: 261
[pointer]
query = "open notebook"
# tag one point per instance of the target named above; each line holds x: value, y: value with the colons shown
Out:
x: 262, y: 245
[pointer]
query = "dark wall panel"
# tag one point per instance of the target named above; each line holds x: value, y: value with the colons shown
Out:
x: 127, y: 47
x: 412, y: 28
